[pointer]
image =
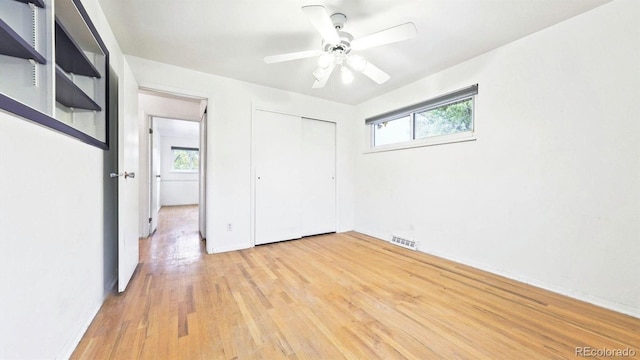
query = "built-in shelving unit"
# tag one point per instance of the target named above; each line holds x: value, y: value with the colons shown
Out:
x: 54, y: 67
x: 69, y: 55
x: 38, y: 3
x: 71, y: 96
x: 12, y: 44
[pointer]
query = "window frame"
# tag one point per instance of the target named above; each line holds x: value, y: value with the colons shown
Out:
x: 433, y: 103
x: 185, y: 148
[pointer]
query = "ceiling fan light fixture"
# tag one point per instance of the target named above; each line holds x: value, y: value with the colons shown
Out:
x: 326, y: 60
x: 337, y: 45
x: 357, y: 63
x: 322, y: 73
x: 346, y: 75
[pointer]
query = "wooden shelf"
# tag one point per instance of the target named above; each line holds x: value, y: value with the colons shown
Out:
x: 12, y: 44
x: 38, y: 3
x: 69, y: 55
x: 71, y: 96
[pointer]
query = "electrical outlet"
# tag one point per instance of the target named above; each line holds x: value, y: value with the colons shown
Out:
x: 229, y: 227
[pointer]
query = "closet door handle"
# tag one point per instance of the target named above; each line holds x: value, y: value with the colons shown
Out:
x: 129, y: 175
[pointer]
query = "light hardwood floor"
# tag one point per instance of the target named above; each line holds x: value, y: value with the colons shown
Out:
x: 332, y: 297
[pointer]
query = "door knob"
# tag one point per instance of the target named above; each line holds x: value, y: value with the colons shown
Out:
x: 126, y: 175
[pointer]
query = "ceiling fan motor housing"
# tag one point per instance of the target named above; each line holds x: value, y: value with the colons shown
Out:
x: 343, y: 47
x: 338, y: 20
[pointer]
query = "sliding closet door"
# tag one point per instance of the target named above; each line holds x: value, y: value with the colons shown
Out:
x: 318, y: 177
x: 277, y: 141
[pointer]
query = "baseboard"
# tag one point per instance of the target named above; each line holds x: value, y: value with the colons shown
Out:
x: 572, y: 293
x: 221, y: 249
x: 71, y: 345
x: 578, y: 295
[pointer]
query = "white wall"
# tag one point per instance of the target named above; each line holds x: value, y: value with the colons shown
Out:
x: 51, y: 232
x: 229, y: 137
x: 550, y: 191
x: 178, y: 188
x: 50, y: 227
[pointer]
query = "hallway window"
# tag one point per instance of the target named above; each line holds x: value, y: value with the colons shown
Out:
x: 185, y: 159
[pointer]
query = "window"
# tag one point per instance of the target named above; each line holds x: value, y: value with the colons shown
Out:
x: 449, y: 116
x: 390, y: 132
x: 185, y: 159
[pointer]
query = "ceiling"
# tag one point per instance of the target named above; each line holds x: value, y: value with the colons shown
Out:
x: 177, y: 128
x: 231, y: 38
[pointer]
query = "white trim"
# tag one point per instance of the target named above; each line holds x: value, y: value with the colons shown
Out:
x: 73, y: 342
x: 571, y: 293
x: 170, y: 90
x: 173, y: 171
x: 148, y: 122
x: 430, y: 141
x: 71, y: 345
x: 235, y: 247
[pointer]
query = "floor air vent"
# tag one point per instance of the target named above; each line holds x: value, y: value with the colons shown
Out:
x: 409, y: 244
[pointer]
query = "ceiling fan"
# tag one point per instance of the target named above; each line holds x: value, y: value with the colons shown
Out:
x: 337, y: 46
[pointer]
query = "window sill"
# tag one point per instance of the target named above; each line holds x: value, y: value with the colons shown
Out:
x: 436, y: 140
x: 184, y: 171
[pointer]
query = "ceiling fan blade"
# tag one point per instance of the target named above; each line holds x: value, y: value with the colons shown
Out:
x: 375, y: 74
x: 397, y: 33
x: 322, y: 75
x: 292, y: 56
x: 322, y: 22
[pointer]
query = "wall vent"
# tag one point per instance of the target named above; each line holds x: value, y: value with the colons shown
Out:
x: 409, y: 244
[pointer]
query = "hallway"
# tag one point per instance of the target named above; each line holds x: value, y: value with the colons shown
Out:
x: 160, y: 295
x: 176, y: 241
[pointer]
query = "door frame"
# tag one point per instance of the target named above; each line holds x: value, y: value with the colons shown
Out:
x: 202, y: 180
x: 128, y: 177
x: 146, y: 146
x: 152, y: 179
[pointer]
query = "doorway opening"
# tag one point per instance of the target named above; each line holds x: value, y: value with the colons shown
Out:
x: 173, y: 195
